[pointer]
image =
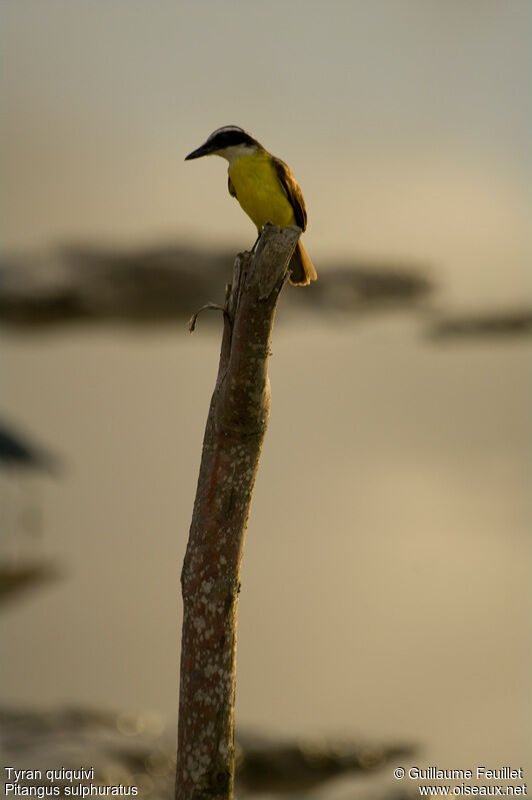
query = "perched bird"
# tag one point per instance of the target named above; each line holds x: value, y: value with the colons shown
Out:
x: 265, y: 188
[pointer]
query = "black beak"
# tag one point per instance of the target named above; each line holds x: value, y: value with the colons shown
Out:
x: 204, y: 150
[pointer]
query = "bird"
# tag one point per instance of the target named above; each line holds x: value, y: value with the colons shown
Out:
x: 21, y: 459
x: 265, y: 188
x: 17, y: 452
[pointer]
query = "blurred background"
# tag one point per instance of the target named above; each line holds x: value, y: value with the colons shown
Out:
x: 385, y: 578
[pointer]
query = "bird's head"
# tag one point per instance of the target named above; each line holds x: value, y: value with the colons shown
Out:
x: 229, y: 142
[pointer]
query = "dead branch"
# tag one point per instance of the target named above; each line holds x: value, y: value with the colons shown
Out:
x: 236, y: 425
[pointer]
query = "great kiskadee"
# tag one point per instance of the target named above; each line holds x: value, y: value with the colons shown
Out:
x: 265, y: 188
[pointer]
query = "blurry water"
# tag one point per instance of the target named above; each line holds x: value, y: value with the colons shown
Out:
x: 384, y: 578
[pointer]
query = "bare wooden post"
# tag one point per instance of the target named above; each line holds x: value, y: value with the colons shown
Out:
x: 236, y: 424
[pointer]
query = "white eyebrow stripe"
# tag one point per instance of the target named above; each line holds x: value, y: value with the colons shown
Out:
x: 226, y: 129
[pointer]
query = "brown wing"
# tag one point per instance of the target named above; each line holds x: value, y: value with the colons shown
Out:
x: 293, y: 192
x: 231, y: 188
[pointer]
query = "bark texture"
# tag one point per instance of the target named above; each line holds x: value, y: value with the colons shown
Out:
x: 236, y: 425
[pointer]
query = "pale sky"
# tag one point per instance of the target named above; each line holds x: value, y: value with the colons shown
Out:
x: 405, y: 123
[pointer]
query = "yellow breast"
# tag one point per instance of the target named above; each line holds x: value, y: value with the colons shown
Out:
x: 259, y: 191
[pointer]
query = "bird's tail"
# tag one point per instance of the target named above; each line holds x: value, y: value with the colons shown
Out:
x: 301, y: 268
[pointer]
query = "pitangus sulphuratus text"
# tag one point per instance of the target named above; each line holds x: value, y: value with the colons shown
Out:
x: 265, y: 188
